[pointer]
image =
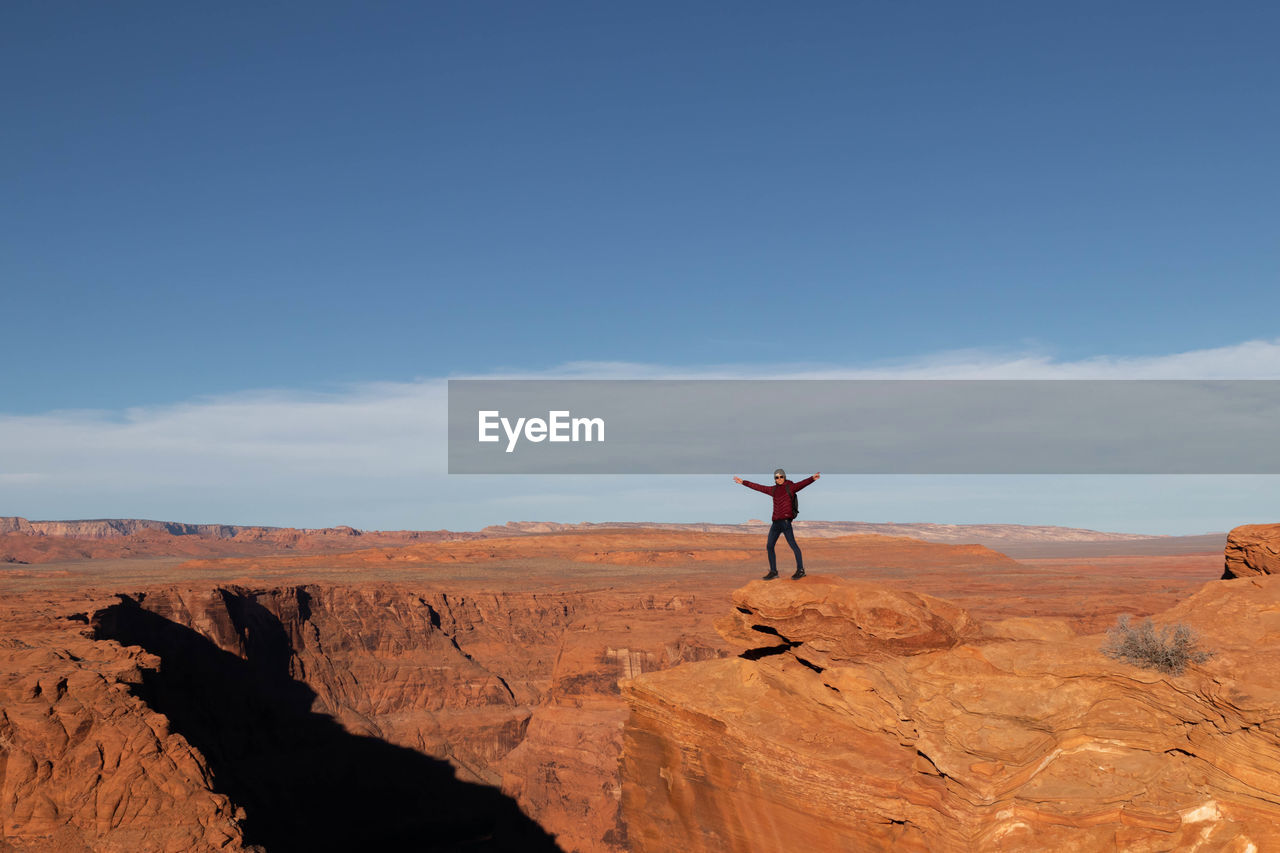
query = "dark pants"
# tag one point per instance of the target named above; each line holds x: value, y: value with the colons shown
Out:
x: 782, y: 526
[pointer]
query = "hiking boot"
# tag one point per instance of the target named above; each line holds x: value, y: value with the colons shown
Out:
x: 799, y: 574
x: 773, y: 573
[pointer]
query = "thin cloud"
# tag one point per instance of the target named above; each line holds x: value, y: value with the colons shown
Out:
x: 384, y: 444
x: 1248, y: 360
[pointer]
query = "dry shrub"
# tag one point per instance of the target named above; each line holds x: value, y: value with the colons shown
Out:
x: 1168, y: 649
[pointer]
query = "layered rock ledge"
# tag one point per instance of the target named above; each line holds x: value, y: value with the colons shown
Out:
x: 860, y: 718
x: 1252, y: 549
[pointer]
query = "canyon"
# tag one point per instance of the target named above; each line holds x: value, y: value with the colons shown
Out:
x: 602, y: 689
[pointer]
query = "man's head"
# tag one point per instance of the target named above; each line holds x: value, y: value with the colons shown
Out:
x: 779, y: 475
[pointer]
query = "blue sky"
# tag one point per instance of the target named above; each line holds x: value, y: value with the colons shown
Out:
x: 329, y: 204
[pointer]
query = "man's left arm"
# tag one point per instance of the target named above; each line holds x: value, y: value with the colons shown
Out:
x: 800, y: 485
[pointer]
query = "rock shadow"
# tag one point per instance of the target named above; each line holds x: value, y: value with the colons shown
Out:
x: 305, y: 783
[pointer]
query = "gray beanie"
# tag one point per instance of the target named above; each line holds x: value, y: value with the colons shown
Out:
x: 780, y: 473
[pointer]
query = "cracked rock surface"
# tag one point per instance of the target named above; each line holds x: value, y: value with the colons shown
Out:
x: 881, y: 719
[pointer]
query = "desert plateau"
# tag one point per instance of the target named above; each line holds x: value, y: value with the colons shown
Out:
x: 607, y: 688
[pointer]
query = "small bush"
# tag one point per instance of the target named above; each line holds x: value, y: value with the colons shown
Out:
x: 1167, y: 649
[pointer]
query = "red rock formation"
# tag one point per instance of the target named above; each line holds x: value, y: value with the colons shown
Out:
x: 324, y: 712
x: 85, y: 765
x: 516, y: 690
x: 1252, y: 549
x: 838, y: 620
x: 1022, y: 736
x: 502, y: 657
x: 109, y: 528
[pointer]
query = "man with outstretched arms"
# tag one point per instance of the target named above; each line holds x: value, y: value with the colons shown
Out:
x: 784, y: 511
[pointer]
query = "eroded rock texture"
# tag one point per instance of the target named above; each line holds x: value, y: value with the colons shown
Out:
x: 1252, y: 549
x: 913, y: 728
x: 87, y: 765
x: 319, y: 717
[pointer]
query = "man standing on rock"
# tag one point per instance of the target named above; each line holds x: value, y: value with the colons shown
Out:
x: 784, y: 510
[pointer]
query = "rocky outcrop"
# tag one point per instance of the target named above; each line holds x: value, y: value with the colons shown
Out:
x: 921, y: 730
x: 826, y: 621
x: 565, y: 771
x: 1252, y: 549
x: 14, y: 524
x: 87, y: 765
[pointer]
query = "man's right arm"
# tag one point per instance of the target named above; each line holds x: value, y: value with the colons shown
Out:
x: 768, y: 490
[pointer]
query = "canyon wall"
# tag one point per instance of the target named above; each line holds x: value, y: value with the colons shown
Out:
x: 106, y: 528
x: 85, y: 764
x: 255, y: 715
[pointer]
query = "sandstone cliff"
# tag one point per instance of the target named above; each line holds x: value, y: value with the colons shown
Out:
x: 1252, y: 549
x: 256, y: 715
x: 107, y: 528
x: 867, y: 719
x: 84, y: 763
x: 23, y: 541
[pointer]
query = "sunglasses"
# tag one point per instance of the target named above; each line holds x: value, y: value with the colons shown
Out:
x: 777, y: 477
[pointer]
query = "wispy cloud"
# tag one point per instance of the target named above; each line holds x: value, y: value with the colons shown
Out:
x: 378, y: 446
x: 1248, y: 360
x: 375, y: 429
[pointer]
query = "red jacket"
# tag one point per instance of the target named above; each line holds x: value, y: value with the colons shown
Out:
x: 781, y: 495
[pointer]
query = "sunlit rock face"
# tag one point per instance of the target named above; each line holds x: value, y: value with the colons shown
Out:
x: 84, y: 763
x: 201, y: 717
x: 859, y: 718
x: 1252, y: 549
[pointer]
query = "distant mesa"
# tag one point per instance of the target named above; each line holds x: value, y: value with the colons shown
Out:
x: 110, y: 528
x: 25, y: 541
x: 106, y: 528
